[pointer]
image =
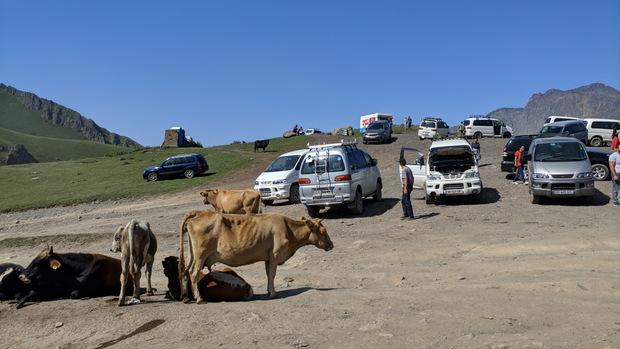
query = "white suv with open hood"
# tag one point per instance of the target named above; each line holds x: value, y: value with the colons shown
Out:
x: 450, y: 169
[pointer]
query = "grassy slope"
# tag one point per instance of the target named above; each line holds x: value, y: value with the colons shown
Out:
x: 44, y: 140
x: 116, y: 176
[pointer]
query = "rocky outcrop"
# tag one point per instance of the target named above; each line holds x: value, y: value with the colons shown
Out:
x: 60, y: 115
x: 592, y: 101
x: 338, y: 131
x: 19, y: 155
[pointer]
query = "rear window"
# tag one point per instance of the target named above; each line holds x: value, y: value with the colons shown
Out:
x: 551, y: 130
x: 483, y: 122
x: 322, y: 164
x: 430, y: 124
x: 608, y: 125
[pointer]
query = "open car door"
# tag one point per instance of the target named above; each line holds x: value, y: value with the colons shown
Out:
x: 415, y: 161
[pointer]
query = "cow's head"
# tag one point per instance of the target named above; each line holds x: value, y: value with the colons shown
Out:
x: 318, y: 234
x: 171, y: 270
x: 10, y: 286
x: 43, y: 266
x: 116, y: 241
x: 209, y: 196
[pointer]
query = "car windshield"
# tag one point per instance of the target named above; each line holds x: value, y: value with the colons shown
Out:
x: 551, y: 130
x: 331, y: 163
x: 560, y: 151
x: 283, y: 163
x: 375, y: 127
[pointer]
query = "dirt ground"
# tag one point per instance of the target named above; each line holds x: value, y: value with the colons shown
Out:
x: 502, y: 274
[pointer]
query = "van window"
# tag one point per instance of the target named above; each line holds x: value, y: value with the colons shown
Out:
x: 331, y: 163
x: 483, y: 122
x: 283, y: 163
x: 442, y: 124
x: 466, y: 122
x: 367, y: 159
x: 558, y: 152
x: 576, y: 127
x: 551, y: 130
x: 608, y: 125
x: 428, y: 124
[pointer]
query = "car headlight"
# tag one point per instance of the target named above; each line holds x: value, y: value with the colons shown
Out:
x: 472, y: 175
x: 433, y: 177
x: 541, y: 175
x: 256, y: 183
x: 584, y: 175
x: 279, y: 181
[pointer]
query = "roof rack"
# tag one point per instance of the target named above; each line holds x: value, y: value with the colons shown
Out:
x: 350, y: 142
x: 478, y: 116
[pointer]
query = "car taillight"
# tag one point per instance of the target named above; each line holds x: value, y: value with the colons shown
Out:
x: 199, y: 165
x: 434, y: 130
x: 343, y: 178
x: 304, y: 181
x: 468, y: 127
x: 505, y: 153
x: 420, y: 128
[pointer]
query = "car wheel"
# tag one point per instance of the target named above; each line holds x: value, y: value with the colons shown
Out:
x: 378, y: 196
x: 478, y: 135
x: 507, y: 134
x: 152, y: 176
x: 596, y: 141
x: 600, y: 172
x: 421, y: 138
x: 313, y: 211
x: 364, y: 141
x: 359, y: 203
x: 189, y: 173
x: 294, y: 194
x: 535, y: 199
x: 429, y: 199
x: 588, y: 200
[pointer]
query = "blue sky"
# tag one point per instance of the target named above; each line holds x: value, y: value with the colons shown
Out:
x: 244, y: 70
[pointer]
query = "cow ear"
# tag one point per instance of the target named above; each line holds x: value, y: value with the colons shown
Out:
x: 308, y: 223
x: 202, y: 193
x: 215, y: 191
x: 54, y: 264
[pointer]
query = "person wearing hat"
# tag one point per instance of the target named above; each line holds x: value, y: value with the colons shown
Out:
x: 407, y: 177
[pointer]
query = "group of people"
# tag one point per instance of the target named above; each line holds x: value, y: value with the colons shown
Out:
x: 298, y: 130
x: 407, y: 122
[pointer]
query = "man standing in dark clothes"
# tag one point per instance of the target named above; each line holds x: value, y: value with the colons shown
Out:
x: 407, y: 177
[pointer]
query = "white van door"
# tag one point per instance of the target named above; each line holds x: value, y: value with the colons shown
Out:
x: 415, y: 161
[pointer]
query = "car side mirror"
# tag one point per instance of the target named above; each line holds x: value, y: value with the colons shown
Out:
x: 375, y: 162
x: 419, y: 161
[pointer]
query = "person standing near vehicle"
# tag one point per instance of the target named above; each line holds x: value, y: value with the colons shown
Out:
x: 475, y: 146
x: 460, y: 130
x: 614, y: 138
x: 519, y: 165
x: 407, y: 177
x: 614, y: 167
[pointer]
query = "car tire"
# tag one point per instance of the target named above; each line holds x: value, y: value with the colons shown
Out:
x: 189, y: 173
x: 313, y: 211
x: 152, y: 177
x: 596, y: 142
x: 293, y: 197
x: 378, y: 195
x: 535, y: 199
x: 429, y: 199
x: 507, y: 135
x: 359, y: 204
x: 478, y: 135
x: 600, y: 172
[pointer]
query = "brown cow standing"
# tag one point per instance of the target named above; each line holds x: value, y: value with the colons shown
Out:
x: 233, y: 201
x: 216, y: 286
x: 137, y: 245
x: 238, y: 240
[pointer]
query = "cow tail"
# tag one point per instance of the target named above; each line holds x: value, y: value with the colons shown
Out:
x: 182, y: 231
x: 131, y: 233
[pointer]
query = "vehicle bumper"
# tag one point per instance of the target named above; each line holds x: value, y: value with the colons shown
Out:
x: 508, y: 166
x: 454, y: 188
x: 562, y: 189
x: 426, y: 135
x: 377, y: 139
x: 274, y: 192
x: 322, y: 197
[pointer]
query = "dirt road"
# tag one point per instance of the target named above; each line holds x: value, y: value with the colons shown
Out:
x: 502, y: 274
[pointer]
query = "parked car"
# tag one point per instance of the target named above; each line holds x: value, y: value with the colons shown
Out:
x: 338, y: 174
x: 431, y: 128
x: 450, y: 169
x: 312, y: 131
x: 478, y: 127
x: 599, y: 130
x: 598, y: 158
x: 187, y: 165
x: 551, y: 119
x: 559, y: 167
x: 279, y: 180
x: 572, y: 128
x: 377, y: 131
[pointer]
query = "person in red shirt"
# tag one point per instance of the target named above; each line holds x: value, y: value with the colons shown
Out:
x: 519, y: 166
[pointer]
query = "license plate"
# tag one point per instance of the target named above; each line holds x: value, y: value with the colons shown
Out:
x: 453, y: 191
x: 563, y: 192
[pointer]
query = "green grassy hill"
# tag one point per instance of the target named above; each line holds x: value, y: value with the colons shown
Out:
x: 43, y: 139
x: 119, y: 175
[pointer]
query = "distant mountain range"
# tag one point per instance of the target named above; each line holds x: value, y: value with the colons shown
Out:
x: 592, y: 101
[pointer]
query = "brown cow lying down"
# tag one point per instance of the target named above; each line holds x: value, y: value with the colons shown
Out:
x: 137, y: 245
x: 216, y: 286
x: 233, y: 201
x: 238, y: 240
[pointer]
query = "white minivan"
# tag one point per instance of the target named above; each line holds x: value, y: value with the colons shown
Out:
x: 599, y: 130
x: 280, y: 179
x: 478, y: 127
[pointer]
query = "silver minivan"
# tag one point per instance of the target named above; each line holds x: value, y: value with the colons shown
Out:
x: 559, y: 167
x: 338, y: 174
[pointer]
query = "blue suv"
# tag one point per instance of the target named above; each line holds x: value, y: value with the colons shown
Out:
x: 187, y: 165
